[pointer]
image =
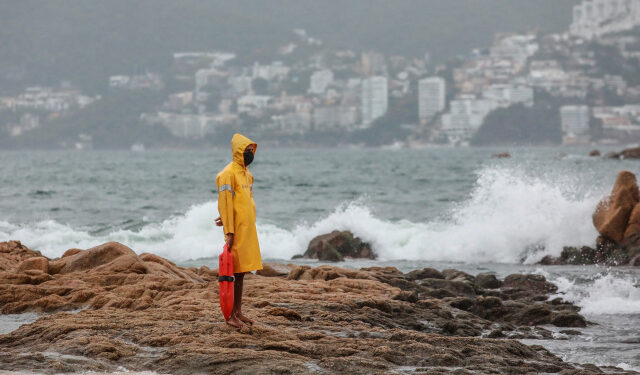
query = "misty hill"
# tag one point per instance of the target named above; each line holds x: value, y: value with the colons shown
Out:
x: 86, y: 41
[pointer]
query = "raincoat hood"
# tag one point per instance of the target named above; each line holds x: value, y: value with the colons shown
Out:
x: 238, y: 144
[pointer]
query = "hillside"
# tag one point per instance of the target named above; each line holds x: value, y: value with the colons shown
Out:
x: 85, y: 41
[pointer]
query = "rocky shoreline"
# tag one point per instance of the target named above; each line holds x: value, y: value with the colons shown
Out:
x: 107, y: 309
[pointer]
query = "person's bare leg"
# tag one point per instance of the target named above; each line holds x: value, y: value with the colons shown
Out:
x: 235, y: 322
x: 237, y: 299
x: 234, y: 319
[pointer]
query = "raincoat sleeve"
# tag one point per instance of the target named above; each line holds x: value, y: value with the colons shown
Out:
x: 225, y: 202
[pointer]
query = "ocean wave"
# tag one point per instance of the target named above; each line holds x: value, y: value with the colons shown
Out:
x: 606, y: 293
x: 509, y: 217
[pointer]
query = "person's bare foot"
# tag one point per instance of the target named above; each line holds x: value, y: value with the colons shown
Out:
x: 235, y: 322
x: 245, y: 319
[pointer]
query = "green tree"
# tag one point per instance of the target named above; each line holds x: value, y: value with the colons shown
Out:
x: 519, y: 124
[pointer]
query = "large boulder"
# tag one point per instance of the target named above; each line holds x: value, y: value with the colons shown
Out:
x: 106, y: 253
x: 612, y: 214
x: 530, y: 282
x: 336, y: 246
x: 631, y: 153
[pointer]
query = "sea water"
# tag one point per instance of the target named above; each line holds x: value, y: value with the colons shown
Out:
x: 434, y: 207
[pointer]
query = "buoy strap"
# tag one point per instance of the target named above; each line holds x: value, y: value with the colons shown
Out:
x: 226, y: 278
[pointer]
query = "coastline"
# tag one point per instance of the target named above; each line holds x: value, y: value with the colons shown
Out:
x: 144, y: 313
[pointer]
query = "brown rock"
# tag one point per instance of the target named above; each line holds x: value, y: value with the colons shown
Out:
x: 568, y: 319
x: 611, y: 155
x: 92, y: 258
x: 323, y: 319
x: 488, y: 281
x: 274, y: 270
x: 501, y: 155
x: 635, y: 261
x: 631, y: 153
x: 425, y: 273
x: 530, y: 283
x: 612, y: 214
x: 594, y: 153
x: 633, y: 226
x: 35, y: 263
x: 336, y: 246
x: 13, y: 253
x: 71, y: 252
x: 536, y: 314
x: 452, y: 274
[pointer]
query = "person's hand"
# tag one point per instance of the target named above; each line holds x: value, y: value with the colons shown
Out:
x: 228, y: 238
x: 219, y: 221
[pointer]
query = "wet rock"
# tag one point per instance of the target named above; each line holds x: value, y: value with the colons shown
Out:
x: 571, y: 332
x: 635, y: 261
x: 633, y: 225
x: 463, y: 303
x: 612, y: 214
x: 568, y: 319
x: 454, y: 286
x: 487, y: 281
x: 532, y: 283
x: 336, y: 246
x: 501, y: 155
x: 575, y: 256
x: 593, y: 153
x: 536, y: 314
x: 425, y: 273
x: 611, y: 155
x: 631, y: 153
x: 496, y: 334
x: 451, y: 274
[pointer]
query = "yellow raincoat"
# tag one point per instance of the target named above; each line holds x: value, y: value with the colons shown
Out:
x: 237, y: 208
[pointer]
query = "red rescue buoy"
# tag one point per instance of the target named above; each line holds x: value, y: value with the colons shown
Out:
x: 225, y: 281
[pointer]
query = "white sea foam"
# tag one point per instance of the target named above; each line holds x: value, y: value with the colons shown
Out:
x: 606, y: 294
x: 508, y: 218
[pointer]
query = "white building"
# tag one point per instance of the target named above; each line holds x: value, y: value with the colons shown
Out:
x: 204, y: 77
x: 465, y: 117
x: 320, y: 80
x: 593, y: 18
x: 515, y: 47
x: 270, y: 72
x: 507, y: 94
x: 375, y: 99
x: 250, y: 103
x: 293, y: 122
x: 335, y: 117
x: 575, y: 124
x: 431, y: 97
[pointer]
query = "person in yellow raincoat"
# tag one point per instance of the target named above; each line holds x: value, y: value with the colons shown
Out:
x: 238, y: 218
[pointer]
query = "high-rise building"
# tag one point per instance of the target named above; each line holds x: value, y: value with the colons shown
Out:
x: 431, y: 97
x: 465, y: 116
x: 375, y: 100
x: 575, y: 123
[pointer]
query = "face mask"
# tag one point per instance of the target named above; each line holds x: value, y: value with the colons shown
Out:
x: 248, y: 158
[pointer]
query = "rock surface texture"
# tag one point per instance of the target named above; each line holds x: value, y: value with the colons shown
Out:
x: 107, y: 309
x: 617, y: 219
